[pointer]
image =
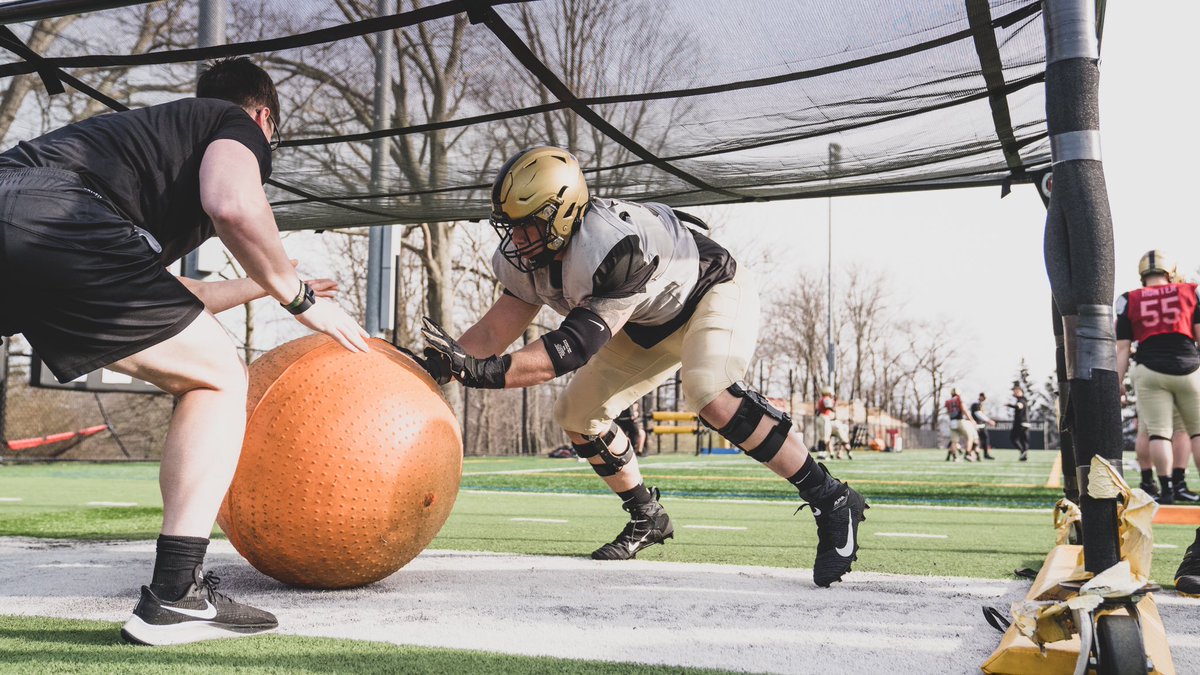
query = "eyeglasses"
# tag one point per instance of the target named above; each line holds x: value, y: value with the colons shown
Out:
x: 276, y: 136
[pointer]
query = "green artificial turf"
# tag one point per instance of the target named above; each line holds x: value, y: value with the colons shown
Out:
x: 39, y: 645
x: 515, y: 505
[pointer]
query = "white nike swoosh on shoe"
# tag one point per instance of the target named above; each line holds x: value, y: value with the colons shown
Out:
x: 210, y: 611
x: 633, y: 546
x: 847, y: 550
x: 602, y: 326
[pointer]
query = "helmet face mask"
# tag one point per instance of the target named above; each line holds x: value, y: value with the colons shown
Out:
x: 540, y: 192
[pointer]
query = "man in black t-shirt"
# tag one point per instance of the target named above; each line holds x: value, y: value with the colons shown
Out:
x: 1019, y: 433
x: 90, y: 215
x: 982, y: 421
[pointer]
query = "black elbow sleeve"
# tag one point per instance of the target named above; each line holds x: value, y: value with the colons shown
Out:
x: 576, y: 340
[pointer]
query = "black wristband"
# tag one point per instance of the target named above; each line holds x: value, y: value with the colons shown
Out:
x: 304, y: 299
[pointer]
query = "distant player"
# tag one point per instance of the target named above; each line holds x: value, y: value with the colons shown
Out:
x: 963, y: 436
x: 982, y: 421
x: 643, y: 293
x: 1019, y: 433
x: 826, y: 421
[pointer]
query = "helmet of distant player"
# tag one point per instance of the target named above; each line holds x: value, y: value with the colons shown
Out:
x: 1156, y: 262
x: 540, y: 190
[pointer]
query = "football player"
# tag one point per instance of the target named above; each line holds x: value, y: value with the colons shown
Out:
x: 644, y: 292
x: 1161, y: 317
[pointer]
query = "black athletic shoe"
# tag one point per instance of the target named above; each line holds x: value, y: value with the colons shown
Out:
x: 1024, y: 457
x: 201, y: 614
x: 1167, y: 497
x: 1150, y: 488
x: 837, y: 535
x: 1183, y: 494
x: 648, y: 525
x: 1187, y: 577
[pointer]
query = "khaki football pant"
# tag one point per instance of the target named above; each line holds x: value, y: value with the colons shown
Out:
x: 713, y: 350
x: 1160, y: 395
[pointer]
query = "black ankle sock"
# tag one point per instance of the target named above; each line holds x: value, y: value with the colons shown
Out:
x: 814, y: 484
x: 1164, y: 484
x: 175, y: 563
x: 1177, y: 475
x: 637, y: 496
x: 1147, y: 475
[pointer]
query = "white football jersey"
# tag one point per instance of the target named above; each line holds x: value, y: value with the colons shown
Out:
x: 636, y: 266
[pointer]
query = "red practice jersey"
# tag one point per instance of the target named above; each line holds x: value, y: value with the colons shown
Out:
x: 825, y: 406
x: 954, y: 406
x: 1158, y: 310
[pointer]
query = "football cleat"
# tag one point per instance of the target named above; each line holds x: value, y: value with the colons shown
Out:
x: 648, y: 525
x: 1187, y: 577
x: 201, y: 614
x: 1183, y: 494
x: 837, y: 535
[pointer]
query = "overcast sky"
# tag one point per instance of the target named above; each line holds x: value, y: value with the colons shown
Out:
x: 976, y: 260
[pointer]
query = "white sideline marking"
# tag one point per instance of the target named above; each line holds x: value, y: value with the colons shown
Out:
x: 538, y: 520
x: 714, y: 527
x: 10, y: 499
x: 116, y: 504
x: 1165, y: 546
x: 73, y: 565
x: 911, y: 535
x: 773, y: 502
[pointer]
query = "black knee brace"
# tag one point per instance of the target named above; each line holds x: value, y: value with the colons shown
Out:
x: 598, y: 446
x: 743, y: 423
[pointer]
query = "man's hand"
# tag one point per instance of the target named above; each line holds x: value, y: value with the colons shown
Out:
x: 446, y: 353
x: 326, y: 317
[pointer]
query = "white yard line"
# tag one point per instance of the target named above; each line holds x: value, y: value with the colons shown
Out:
x: 10, y: 499
x: 713, y: 527
x: 538, y: 520
x: 113, y: 504
x: 911, y: 535
x: 774, y: 502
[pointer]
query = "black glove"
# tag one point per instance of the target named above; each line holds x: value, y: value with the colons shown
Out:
x: 433, y: 362
x: 472, y: 372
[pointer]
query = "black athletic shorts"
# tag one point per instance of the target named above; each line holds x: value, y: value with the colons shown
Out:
x: 79, y: 280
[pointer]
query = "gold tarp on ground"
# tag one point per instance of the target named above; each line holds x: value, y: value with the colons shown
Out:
x: 1043, y: 639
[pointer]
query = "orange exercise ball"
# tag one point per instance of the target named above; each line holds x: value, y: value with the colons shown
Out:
x: 350, y: 465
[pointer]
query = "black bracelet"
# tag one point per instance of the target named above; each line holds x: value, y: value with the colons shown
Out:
x: 304, y: 299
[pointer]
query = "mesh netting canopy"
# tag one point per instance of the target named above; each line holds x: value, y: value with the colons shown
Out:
x: 680, y: 101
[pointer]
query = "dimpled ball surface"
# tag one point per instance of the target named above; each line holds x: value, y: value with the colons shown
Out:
x: 350, y: 466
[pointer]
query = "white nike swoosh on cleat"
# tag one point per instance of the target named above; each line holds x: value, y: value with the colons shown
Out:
x: 848, y: 549
x: 210, y: 611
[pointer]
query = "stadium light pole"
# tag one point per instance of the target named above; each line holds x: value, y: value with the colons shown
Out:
x: 210, y: 32
x: 379, y: 239
x: 835, y: 157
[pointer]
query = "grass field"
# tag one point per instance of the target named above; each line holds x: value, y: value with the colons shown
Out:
x: 930, y: 517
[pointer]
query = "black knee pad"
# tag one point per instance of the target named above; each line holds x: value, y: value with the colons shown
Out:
x: 597, y: 446
x: 750, y: 412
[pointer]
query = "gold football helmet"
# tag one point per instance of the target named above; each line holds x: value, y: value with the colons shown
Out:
x: 1156, y: 262
x: 542, y: 187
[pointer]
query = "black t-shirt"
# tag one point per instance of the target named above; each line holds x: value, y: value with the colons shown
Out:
x: 147, y: 162
x: 977, y: 412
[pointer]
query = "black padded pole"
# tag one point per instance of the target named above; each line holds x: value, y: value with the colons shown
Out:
x: 1079, y: 261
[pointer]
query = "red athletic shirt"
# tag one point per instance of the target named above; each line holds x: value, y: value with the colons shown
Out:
x: 825, y: 406
x: 1158, y: 310
x: 954, y: 406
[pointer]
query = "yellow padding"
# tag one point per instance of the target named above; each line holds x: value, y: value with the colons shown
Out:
x: 670, y: 416
x: 674, y: 430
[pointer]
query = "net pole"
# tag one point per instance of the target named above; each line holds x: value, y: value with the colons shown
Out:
x: 210, y: 32
x: 379, y: 238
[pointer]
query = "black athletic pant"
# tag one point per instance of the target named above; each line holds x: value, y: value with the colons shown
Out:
x: 1020, y: 438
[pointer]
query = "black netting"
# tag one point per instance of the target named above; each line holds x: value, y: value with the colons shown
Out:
x: 683, y: 101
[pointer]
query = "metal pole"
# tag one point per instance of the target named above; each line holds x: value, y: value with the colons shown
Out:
x: 210, y: 33
x: 835, y: 155
x: 3, y: 390
x: 379, y: 240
